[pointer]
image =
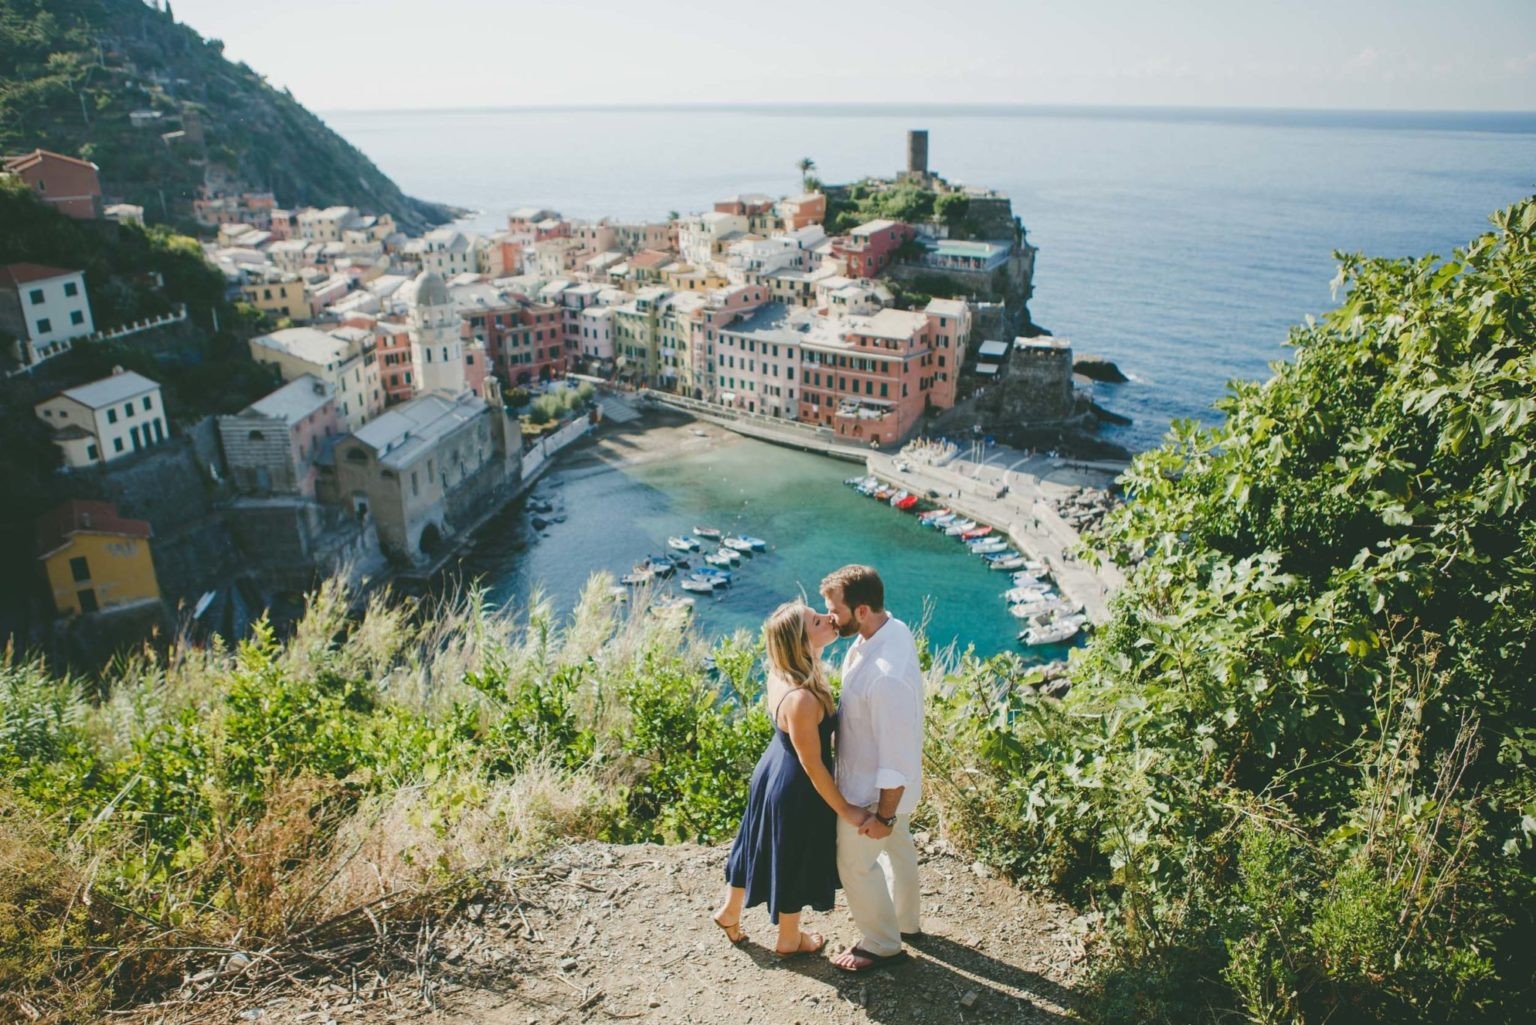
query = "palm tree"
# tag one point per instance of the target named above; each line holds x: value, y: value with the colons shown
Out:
x: 806, y: 165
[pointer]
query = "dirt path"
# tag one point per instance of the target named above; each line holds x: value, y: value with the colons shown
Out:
x: 603, y: 933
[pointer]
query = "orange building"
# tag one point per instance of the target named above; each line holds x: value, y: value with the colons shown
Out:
x: 68, y: 185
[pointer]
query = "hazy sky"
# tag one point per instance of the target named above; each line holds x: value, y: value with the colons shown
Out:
x: 360, y: 54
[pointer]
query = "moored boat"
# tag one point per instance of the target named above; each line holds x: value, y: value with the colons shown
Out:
x: 683, y: 544
x: 981, y: 531
x: 712, y: 573
x: 959, y: 527
x: 757, y: 544
x: 737, y: 544
x: 698, y: 585
x: 720, y: 558
x: 906, y: 503
x: 1012, y: 562
x: 712, y: 533
x: 1054, y: 632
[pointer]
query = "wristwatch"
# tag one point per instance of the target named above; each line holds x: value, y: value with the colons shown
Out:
x: 887, y: 822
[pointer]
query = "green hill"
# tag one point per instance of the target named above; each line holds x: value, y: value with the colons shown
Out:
x: 73, y: 71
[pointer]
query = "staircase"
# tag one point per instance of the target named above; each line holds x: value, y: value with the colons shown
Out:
x: 617, y: 410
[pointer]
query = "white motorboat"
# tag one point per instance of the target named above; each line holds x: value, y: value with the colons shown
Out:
x: 711, y: 573
x: 711, y: 533
x: 637, y: 578
x: 942, y: 520
x: 1026, y: 593
x: 683, y: 544
x: 959, y: 527
x: 698, y: 585
x: 757, y: 544
x: 1054, y: 632
x: 737, y: 544
x: 720, y: 558
x: 1013, y: 562
x: 1026, y: 577
x: 989, y: 547
x: 668, y: 602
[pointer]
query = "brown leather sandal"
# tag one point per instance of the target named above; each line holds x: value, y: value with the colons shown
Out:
x: 816, y: 946
x: 733, y: 932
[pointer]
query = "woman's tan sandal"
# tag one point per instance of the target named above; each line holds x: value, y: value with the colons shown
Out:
x: 817, y: 942
x: 732, y: 932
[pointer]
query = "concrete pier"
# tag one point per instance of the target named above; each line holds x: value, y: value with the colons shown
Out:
x: 1011, y: 492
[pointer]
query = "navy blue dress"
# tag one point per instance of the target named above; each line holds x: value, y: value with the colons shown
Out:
x: 785, y: 854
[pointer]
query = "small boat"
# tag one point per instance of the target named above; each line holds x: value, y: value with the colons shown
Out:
x: 981, y: 531
x: 941, y: 522
x: 927, y: 518
x: 906, y: 503
x: 1053, y: 633
x: 683, y: 544
x: 959, y: 527
x: 637, y: 578
x: 697, y: 584
x: 720, y: 558
x: 668, y: 602
x: 1027, y: 576
x: 1012, y: 562
x: 990, y: 546
x: 656, y: 565
x: 711, y: 573
x: 712, y: 533
x: 757, y: 544
x: 900, y: 496
x: 884, y: 494
x: 1031, y: 609
x: 1017, y: 594
x: 1006, y: 553
x: 737, y: 544
x: 731, y: 555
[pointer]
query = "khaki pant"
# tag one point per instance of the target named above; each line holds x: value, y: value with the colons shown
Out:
x: 880, y: 880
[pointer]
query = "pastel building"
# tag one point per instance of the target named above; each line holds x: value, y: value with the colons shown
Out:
x: 447, y: 251
x: 94, y: 559
x: 397, y: 368
x: 437, y: 348
x: 595, y: 334
x: 952, y: 322
x: 345, y: 359
x: 270, y: 446
x: 279, y: 293
x: 869, y: 249
x: 107, y: 419
x: 44, y: 309
x: 870, y: 378
x: 801, y: 211
x: 758, y: 360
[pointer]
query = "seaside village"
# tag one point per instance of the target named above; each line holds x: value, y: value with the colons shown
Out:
x: 402, y: 357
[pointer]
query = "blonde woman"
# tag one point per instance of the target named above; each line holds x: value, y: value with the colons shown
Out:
x: 785, y: 854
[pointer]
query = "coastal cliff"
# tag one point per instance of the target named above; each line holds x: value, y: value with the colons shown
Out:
x: 161, y: 111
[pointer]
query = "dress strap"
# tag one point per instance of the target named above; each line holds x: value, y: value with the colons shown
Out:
x: 778, y: 706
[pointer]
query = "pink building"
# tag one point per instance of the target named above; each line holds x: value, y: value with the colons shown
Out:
x: 724, y: 306
x: 870, y: 380
x: 396, y: 369
x: 951, y: 323
x: 868, y: 249
x: 270, y: 446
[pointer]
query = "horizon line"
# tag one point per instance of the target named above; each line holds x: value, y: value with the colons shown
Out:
x: 936, y: 105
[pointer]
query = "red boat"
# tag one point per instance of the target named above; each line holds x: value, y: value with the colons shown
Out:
x: 971, y: 535
x: 907, y: 503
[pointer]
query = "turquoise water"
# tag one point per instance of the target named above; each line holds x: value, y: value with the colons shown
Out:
x: 793, y: 500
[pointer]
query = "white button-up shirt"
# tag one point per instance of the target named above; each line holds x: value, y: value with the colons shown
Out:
x: 880, y: 731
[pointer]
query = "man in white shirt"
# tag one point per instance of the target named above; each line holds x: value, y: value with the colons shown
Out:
x: 879, y: 767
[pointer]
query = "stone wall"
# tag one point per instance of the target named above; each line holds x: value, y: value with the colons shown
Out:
x: 1036, y: 386
x: 257, y: 452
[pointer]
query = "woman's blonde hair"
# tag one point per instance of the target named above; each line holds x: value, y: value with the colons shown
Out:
x: 789, y: 653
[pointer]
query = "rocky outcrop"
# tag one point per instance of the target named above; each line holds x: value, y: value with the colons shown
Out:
x: 1097, y: 368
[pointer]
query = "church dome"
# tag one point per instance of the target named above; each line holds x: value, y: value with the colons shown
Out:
x: 431, y: 290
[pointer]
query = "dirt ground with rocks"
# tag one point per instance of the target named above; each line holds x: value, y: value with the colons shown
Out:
x: 602, y: 933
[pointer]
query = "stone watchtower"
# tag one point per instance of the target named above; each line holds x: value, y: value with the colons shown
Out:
x: 1037, y: 388
x: 917, y: 153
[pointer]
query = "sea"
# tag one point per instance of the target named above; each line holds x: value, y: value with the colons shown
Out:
x: 1182, y: 244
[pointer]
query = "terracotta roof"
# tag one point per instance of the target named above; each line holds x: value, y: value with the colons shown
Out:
x: 25, y: 160
x: 646, y: 259
x: 76, y: 516
x: 16, y: 274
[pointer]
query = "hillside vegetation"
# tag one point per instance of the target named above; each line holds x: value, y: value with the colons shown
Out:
x: 72, y: 71
x: 1292, y: 782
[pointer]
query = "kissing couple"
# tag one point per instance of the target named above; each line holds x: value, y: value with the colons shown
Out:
x: 809, y: 827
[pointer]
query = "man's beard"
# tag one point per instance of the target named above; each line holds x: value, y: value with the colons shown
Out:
x: 849, y: 628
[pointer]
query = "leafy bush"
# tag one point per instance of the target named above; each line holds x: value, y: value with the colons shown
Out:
x: 1295, y: 771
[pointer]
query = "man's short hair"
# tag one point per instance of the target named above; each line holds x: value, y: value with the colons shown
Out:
x: 860, y: 585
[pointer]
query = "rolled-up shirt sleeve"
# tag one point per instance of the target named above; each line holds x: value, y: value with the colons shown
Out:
x: 898, y: 726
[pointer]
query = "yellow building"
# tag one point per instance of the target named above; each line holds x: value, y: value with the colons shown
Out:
x: 94, y: 559
x: 279, y: 294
